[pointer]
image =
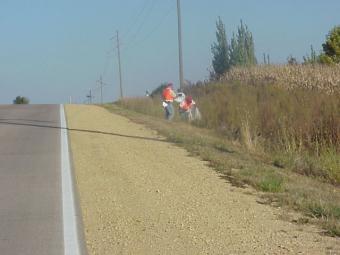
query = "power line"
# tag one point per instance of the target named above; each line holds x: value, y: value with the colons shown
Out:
x: 139, y: 28
x: 155, y: 28
x: 91, y: 94
x: 108, y: 56
x: 90, y: 97
x: 101, y: 85
x: 120, y: 67
x: 138, y: 16
x: 147, y: 8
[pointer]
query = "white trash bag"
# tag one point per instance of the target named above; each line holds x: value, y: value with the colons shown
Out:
x: 180, y: 97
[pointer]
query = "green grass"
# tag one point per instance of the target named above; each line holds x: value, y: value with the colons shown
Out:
x: 313, y: 196
x: 271, y: 183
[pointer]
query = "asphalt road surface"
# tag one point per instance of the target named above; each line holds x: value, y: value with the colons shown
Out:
x: 31, y: 214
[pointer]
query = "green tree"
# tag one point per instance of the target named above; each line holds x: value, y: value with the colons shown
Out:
x: 21, y: 100
x: 331, y: 48
x: 242, y: 50
x: 220, y: 50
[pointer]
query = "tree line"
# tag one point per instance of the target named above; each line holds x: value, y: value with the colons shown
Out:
x: 240, y: 50
x: 330, y: 50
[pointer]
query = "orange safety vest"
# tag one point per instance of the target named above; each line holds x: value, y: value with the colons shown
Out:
x: 185, y: 106
x: 168, y: 95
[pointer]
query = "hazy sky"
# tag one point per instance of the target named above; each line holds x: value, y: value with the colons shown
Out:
x: 50, y: 50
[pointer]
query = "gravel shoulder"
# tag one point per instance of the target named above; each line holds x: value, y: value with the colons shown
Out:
x: 142, y: 195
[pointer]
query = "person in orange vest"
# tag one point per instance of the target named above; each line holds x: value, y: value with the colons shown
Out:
x: 186, y: 107
x: 168, y: 98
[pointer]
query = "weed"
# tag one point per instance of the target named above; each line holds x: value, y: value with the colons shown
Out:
x: 335, y: 211
x: 271, y: 183
x: 333, y: 227
x: 317, y: 210
x: 223, y: 148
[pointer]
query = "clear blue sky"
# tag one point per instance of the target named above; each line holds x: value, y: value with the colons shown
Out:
x: 50, y: 50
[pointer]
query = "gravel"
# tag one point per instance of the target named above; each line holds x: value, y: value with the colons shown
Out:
x: 142, y: 195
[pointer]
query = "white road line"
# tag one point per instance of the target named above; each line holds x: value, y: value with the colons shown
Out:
x: 71, y: 237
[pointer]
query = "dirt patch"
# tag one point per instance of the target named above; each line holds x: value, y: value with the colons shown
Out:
x: 141, y: 195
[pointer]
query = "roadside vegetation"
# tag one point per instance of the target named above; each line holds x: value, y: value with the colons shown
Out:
x: 282, y: 178
x: 273, y: 127
x: 21, y: 100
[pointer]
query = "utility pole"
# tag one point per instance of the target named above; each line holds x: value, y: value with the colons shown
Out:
x: 120, y: 67
x: 181, y: 75
x: 89, y: 96
x: 101, y: 89
x: 101, y: 85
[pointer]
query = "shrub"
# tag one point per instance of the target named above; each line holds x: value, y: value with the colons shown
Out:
x: 21, y: 100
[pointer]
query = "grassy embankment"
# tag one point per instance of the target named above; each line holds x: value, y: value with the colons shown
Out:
x: 274, y: 128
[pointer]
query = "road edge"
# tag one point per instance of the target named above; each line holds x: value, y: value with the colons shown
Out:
x: 74, y: 242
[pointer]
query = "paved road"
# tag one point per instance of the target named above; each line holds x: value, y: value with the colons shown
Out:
x: 30, y: 182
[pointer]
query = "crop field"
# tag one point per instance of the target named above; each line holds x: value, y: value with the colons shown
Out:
x: 317, y: 77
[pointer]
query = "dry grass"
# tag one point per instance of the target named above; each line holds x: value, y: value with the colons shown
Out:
x: 297, y: 129
x: 288, y: 117
x: 145, y: 105
x: 318, y: 200
x: 319, y: 77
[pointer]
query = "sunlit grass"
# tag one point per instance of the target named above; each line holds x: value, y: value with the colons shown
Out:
x: 241, y: 167
x: 276, y: 128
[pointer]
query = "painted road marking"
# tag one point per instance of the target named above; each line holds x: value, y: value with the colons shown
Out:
x: 71, y: 235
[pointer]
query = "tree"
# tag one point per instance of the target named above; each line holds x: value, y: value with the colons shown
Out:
x: 21, y: 100
x: 331, y: 48
x: 242, y: 50
x: 220, y: 50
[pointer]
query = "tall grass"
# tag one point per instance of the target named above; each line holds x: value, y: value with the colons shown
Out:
x: 147, y: 105
x: 319, y: 201
x: 296, y: 126
x: 294, y: 119
x: 299, y: 127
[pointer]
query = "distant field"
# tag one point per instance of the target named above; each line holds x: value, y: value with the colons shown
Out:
x: 315, y: 77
